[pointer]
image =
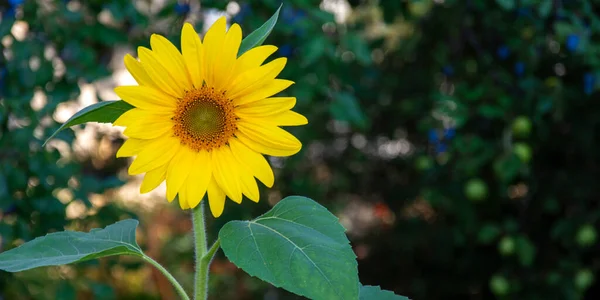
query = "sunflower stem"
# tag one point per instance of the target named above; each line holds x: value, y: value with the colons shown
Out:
x: 203, y: 256
x: 170, y: 277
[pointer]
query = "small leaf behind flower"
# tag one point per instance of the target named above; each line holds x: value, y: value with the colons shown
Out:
x: 67, y: 247
x: 258, y: 36
x: 102, y: 112
x: 299, y: 246
x: 369, y: 292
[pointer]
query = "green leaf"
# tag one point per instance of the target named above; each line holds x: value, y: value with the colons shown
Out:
x: 525, y: 251
x: 369, y: 292
x: 545, y: 8
x: 67, y: 247
x: 103, y: 112
x: 506, y: 4
x: 258, y: 36
x: 345, y: 107
x: 299, y: 246
x: 488, y: 233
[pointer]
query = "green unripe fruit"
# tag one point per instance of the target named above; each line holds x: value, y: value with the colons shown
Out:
x: 522, y: 151
x: 423, y: 163
x: 476, y: 190
x: 499, y: 285
x: 584, y: 279
x: 506, y: 246
x: 521, y: 127
x: 586, y: 236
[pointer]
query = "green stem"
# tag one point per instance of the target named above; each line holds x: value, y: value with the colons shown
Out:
x: 211, y: 252
x: 201, y: 282
x: 170, y: 277
x: 203, y: 268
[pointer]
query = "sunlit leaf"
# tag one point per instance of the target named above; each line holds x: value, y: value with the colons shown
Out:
x: 102, y: 112
x: 257, y: 37
x: 299, y: 246
x: 67, y: 247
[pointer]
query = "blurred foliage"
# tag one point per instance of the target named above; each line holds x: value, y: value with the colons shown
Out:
x: 457, y: 141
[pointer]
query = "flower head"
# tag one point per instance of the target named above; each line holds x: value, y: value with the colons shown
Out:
x: 203, y: 117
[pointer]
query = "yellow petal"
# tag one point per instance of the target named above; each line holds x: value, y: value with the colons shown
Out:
x: 137, y: 71
x: 191, y: 47
x: 262, y: 147
x: 254, y: 160
x: 253, y: 58
x: 135, y: 114
x: 159, y: 74
x: 178, y: 170
x: 216, y: 198
x: 270, y: 136
x: 143, y: 124
x: 199, y: 178
x: 249, y: 187
x: 157, y: 153
x: 287, y: 118
x: 254, y: 79
x: 182, y: 197
x: 152, y: 179
x: 213, y: 46
x: 263, y: 92
x: 146, y: 97
x: 225, y: 173
x: 170, y: 59
x: 183, y: 201
x: 265, y: 107
x: 225, y: 67
x: 132, y: 147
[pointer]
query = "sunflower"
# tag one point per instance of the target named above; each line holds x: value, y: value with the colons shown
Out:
x: 204, y: 117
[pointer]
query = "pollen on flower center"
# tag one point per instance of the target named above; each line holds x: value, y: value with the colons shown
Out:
x: 204, y: 119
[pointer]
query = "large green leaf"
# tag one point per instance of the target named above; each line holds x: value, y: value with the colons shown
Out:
x: 258, y: 36
x: 369, y: 292
x: 67, y: 247
x: 299, y: 246
x: 103, y: 112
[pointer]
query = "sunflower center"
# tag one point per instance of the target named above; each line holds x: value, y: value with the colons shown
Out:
x: 204, y: 119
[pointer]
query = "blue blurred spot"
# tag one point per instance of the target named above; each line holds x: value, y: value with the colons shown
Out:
x: 561, y: 16
x: 291, y: 15
x: 589, y: 83
x: 182, y: 9
x: 11, y: 209
x: 10, y: 12
x: 503, y: 52
x: 448, y: 70
x: 572, y: 42
x: 299, y: 31
x: 286, y: 50
x: 288, y: 15
x: 449, y: 133
x: 441, y: 148
x: 519, y: 68
x: 433, y: 136
x: 524, y: 12
x: 14, y: 3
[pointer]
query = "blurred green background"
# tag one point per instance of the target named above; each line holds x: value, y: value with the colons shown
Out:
x: 458, y: 141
